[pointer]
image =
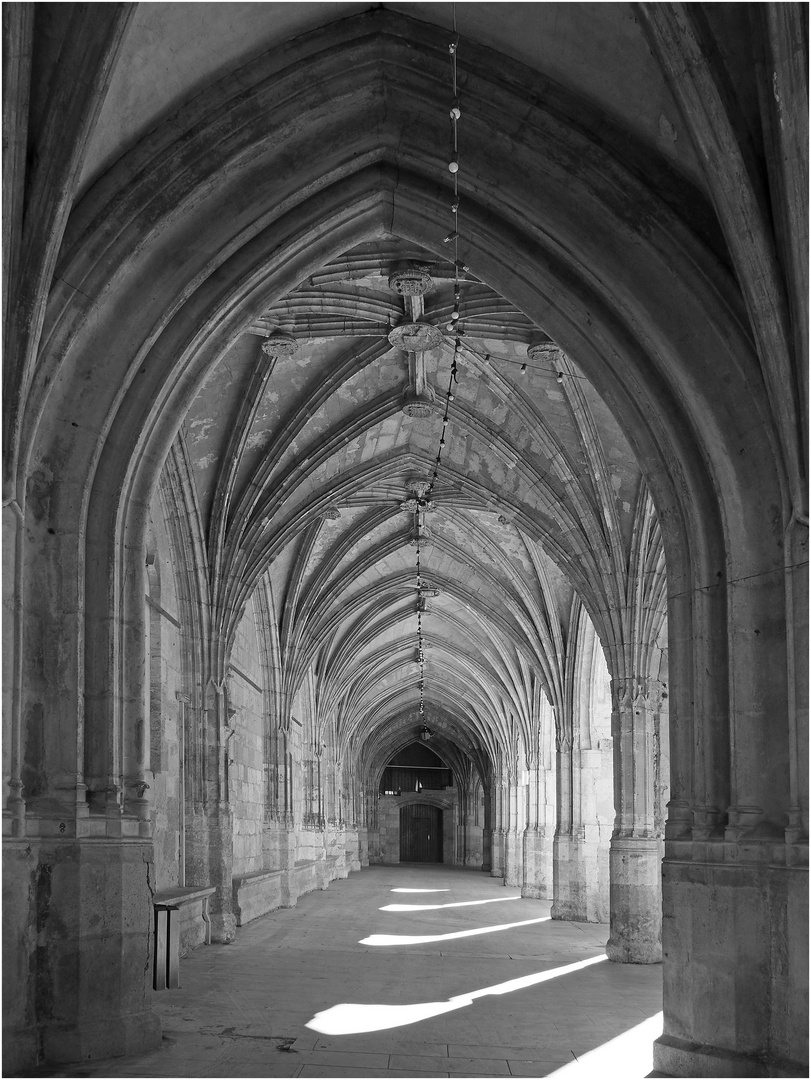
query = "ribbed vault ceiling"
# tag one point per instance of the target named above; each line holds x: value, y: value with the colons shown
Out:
x: 304, y: 464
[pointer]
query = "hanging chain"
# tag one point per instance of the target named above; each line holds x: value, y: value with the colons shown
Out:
x: 453, y: 327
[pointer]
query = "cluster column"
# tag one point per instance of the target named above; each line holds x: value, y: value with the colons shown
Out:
x: 636, y: 844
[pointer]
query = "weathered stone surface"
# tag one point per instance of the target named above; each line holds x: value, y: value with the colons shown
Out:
x: 636, y: 901
x: 208, y: 671
x: 538, y: 873
x: 724, y: 925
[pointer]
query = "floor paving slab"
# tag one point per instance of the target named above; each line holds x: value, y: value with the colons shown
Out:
x: 488, y: 1053
x: 518, y: 1002
x: 535, y: 1068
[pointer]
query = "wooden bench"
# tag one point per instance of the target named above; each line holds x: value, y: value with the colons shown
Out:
x: 174, y: 912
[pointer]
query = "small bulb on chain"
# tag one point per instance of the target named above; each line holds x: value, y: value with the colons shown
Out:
x: 453, y: 165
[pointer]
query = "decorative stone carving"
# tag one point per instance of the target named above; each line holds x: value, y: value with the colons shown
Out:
x: 423, y: 538
x: 412, y: 281
x: 332, y: 513
x: 541, y: 352
x: 415, y: 337
x: 418, y: 486
x: 279, y: 344
x: 418, y: 406
x: 417, y: 506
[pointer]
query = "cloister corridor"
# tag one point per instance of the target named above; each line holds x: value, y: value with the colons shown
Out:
x: 405, y: 487
x: 454, y: 974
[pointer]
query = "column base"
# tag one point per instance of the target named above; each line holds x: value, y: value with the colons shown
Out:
x: 128, y: 1035
x: 513, y: 858
x: 538, y: 875
x: 497, y: 855
x: 636, y: 901
x: 677, y: 1057
x: 223, y: 928
x: 78, y: 951
x: 20, y: 1050
x: 363, y: 847
x: 735, y: 980
x: 581, y: 874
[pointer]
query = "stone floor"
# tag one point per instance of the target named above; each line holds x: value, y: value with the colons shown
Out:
x: 418, y: 971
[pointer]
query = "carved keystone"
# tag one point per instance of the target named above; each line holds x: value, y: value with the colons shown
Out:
x: 541, y: 352
x: 412, y: 281
x: 415, y: 337
x: 279, y: 345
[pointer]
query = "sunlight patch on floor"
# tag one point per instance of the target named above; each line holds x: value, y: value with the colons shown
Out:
x: 427, y: 939
x: 630, y: 1055
x: 438, y: 907
x: 420, y: 890
x: 354, y: 1019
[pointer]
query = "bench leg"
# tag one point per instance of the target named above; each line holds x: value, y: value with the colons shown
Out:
x: 173, y: 951
x: 207, y: 920
x: 161, y: 935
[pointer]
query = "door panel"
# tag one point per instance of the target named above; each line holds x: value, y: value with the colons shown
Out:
x: 420, y: 833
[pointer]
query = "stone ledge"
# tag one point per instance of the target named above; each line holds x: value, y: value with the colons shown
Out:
x: 182, y: 895
x: 258, y: 893
x: 255, y: 876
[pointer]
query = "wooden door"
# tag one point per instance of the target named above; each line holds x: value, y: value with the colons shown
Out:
x: 420, y: 833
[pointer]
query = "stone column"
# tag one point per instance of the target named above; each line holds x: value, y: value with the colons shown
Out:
x: 289, y: 891
x: 538, y: 837
x: 85, y: 906
x: 562, y: 843
x: 636, y: 852
x: 219, y: 821
x: 735, y: 892
x: 470, y: 828
x: 497, y: 839
x: 363, y: 847
x: 513, y: 836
